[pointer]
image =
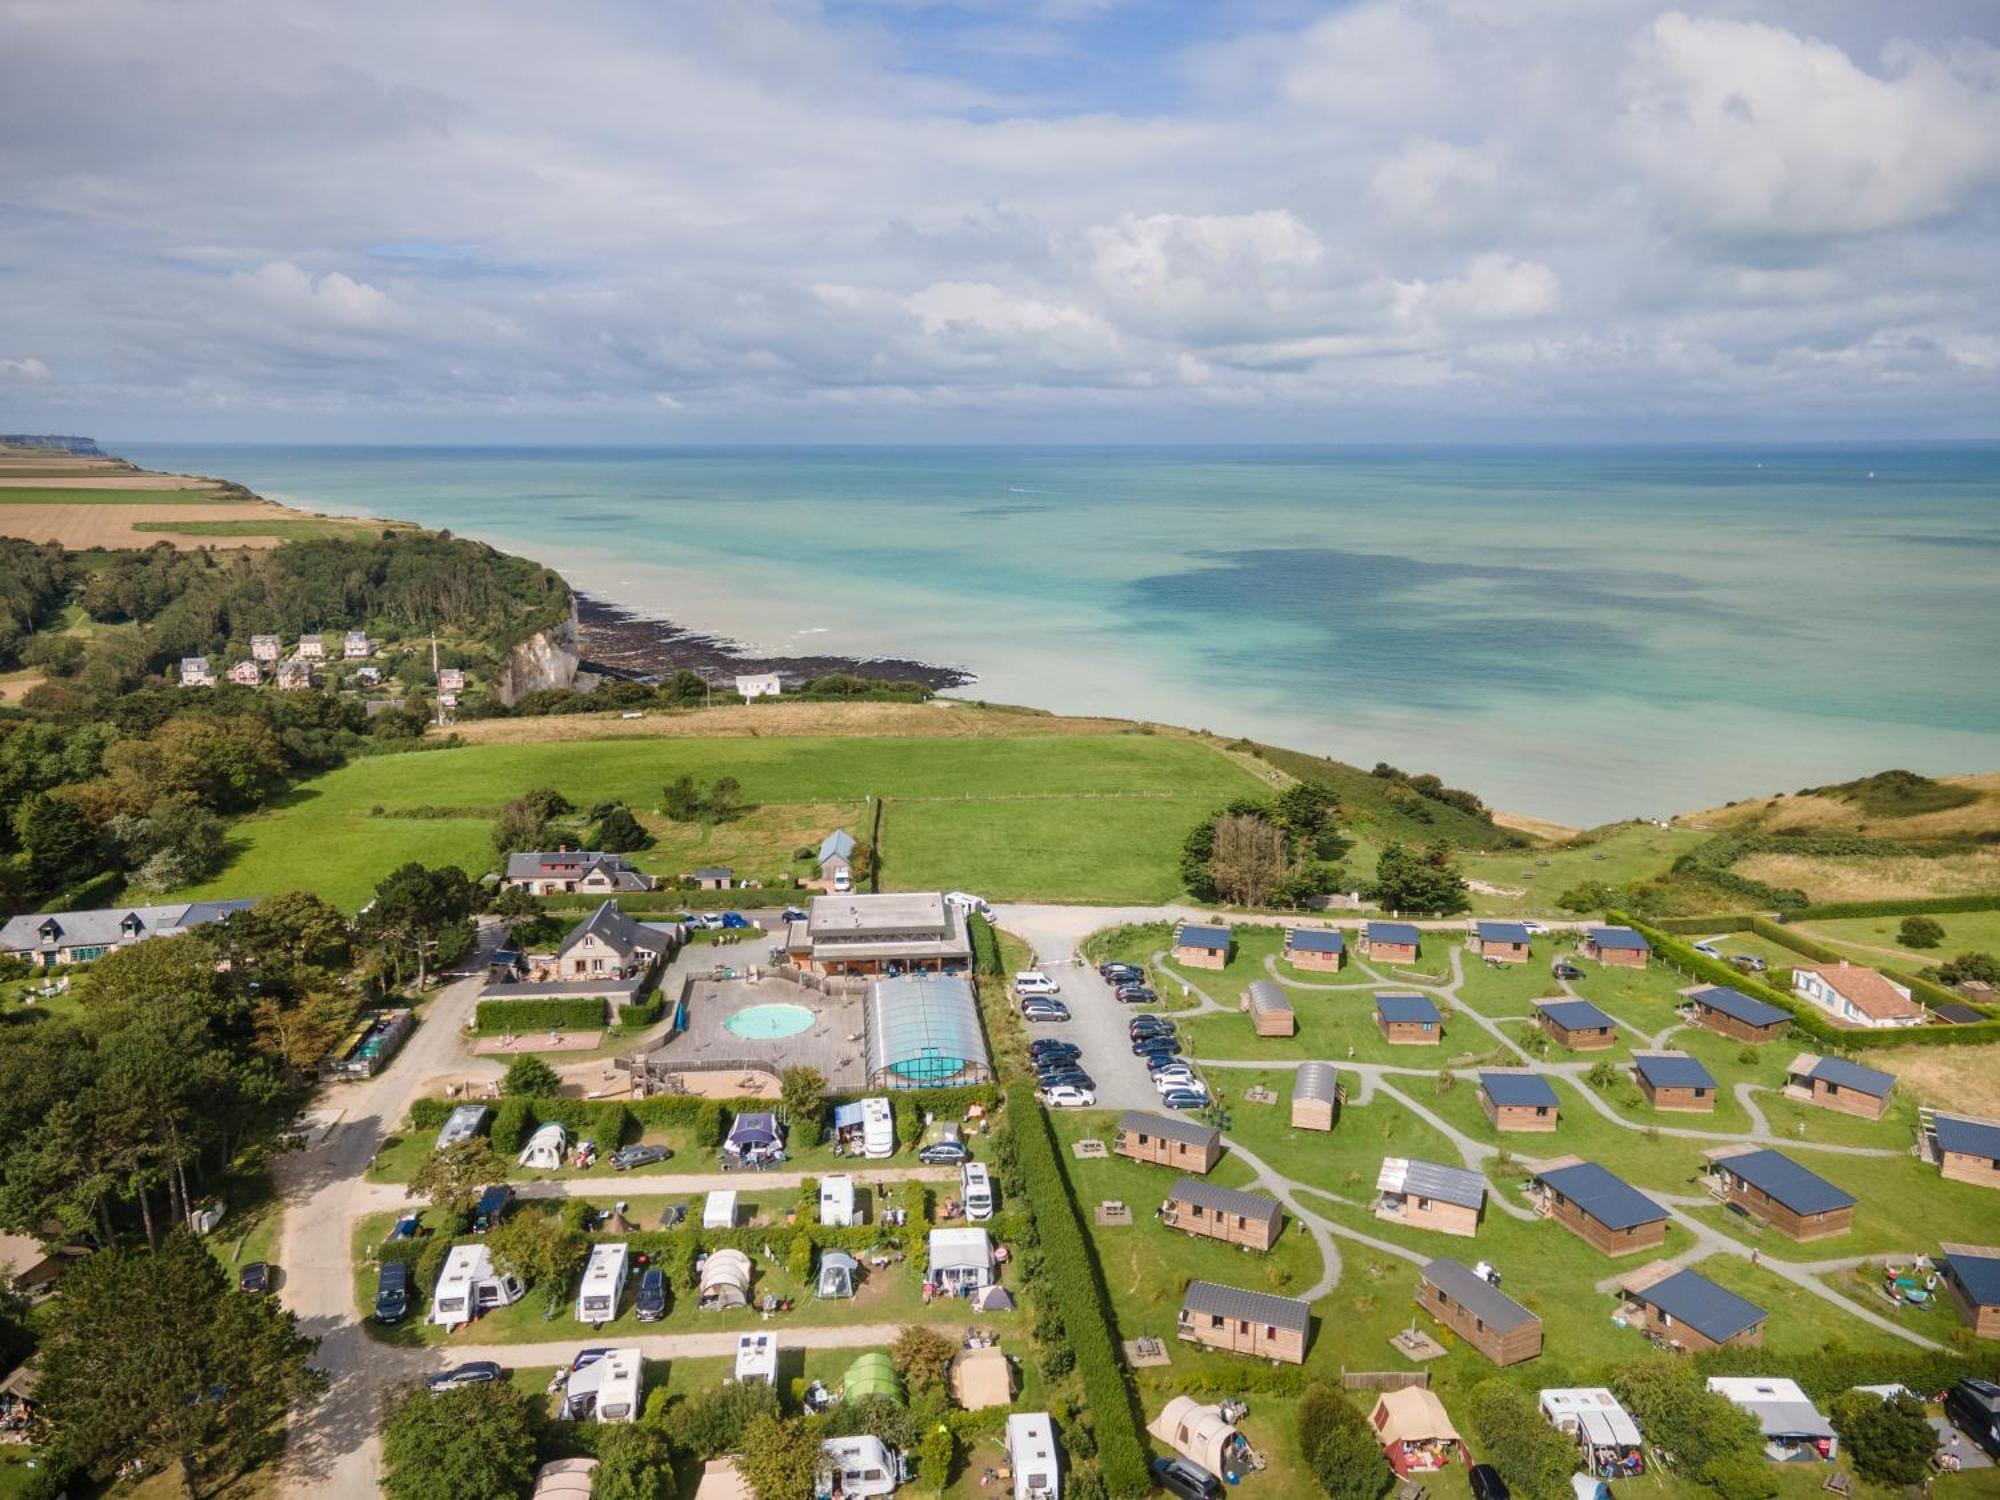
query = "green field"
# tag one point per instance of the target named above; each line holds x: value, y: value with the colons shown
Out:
x: 303, y: 529
x: 58, y: 495
x: 1616, y: 855
x: 1866, y: 937
x: 1077, y: 817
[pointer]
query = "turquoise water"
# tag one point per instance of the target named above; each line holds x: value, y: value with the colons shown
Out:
x: 767, y: 1023
x: 1580, y: 634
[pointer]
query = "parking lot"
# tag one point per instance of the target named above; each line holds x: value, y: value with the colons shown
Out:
x: 1097, y: 1024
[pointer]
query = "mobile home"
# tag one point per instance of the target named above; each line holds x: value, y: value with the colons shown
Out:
x: 836, y: 1202
x: 860, y: 1467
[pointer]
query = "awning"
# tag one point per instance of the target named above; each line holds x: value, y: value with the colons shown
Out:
x: 845, y: 1115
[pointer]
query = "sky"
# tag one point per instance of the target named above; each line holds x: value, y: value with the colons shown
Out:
x: 1000, y: 220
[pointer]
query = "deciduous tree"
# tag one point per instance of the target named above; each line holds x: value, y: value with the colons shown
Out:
x: 781, y: 1458
x: 527, y: 1075
x: 1248, y: 860
x: 1424, y: 879
x: 450, y: 1445
x: 415, y: 913
x: 1891, y: 1441
x: 923, y: 1358
x: 452, y: 1179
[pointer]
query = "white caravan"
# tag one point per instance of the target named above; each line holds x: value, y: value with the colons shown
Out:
x: 878, y: 1128
x: 468, y: 1286
x: 603, y: 1284
x: 1031, y: 1451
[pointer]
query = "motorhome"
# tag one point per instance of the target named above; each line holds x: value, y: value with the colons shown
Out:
x: 878, y: 1128
x: 603, y: 1284
x: 977, y: 1188
x: 858, y: 1467
x: 469, y: 1285
x: 610, y: 1388
x: 1031, y: 1450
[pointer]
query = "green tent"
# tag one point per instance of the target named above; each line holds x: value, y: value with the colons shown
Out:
x: 873, y: 1374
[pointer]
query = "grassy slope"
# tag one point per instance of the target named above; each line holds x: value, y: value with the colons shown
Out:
x: 55, y: 495
x: 1079, y: 817
x: 1366, y: 806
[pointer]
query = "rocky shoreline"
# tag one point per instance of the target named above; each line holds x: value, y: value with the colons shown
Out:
x: 610, y: 637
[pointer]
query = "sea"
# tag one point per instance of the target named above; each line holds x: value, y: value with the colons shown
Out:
x: 1578, y: 634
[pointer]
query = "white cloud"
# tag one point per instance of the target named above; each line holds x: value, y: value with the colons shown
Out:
x: 334, y: 300
x: 27, y: 368
x: 1493, y: 289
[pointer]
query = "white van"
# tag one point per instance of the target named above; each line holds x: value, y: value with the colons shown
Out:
x: 878, y: 1128
x: 977, y: 1189
x: 603, y: 1284
x: 469, y: 1285
x: 842, y: 882
x: 1034, y: 982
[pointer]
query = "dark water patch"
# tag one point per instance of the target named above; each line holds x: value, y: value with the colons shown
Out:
x: 1004, y: 512
x: 1943, y: 539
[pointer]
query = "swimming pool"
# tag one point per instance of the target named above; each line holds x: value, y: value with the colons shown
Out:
x: 766, y: 1023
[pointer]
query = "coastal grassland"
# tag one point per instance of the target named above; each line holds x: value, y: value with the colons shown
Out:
x: 785, y: 718
x: 1875, y: 937
x: 180, y: 495
x: 1096, y: 817
x: 138, y: 519
x: 1894, y: 877
x: 1965, y: 1078
x: 1881, y: 807
x: 285, y: 529
x: 1533, y: 878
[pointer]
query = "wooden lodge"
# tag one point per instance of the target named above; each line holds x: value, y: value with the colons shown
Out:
x: 1479, y: 1312
x: 1967, y: 1150
x: 1391, y: 942
x: 1576, y: 1024
x: 1502, y: 942
x: 1772, y: 1188
x: 1270, y: 1008
x: 1733, y: 1013
x: 1315, y: 948
x: 1686, y: 1311
x: 1409, y: 1020
x: 1200, y: 945
x: 1426, y: 1195
x: 1315, y: 1097
x: 1219, y: 1213
x: 1835, y: 1083
x: 1181, y: 1144
x: 1972, y: 1276
x: 1675, y: 1081
x: 1617, y: 947
x: 1518, y: 1101
x: 1242, y: 1322
x: 1606, y: 1213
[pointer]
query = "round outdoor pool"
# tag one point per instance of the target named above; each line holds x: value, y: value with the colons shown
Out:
x: 766, y: 1023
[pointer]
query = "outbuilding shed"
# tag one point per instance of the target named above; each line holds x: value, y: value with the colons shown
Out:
x: 1270, y: 1008
x: 1315, y: 1097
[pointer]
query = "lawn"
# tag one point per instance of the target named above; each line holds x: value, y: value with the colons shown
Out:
x: 1964, y: 932
x: 61, y: 495
x: 1616, y: 855
x: 1073, y: 817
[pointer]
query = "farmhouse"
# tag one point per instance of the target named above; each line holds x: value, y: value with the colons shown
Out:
x: 266, y: 648
x: 1168, y: 1142
x: 1674, y: 1080
x: 196, y: 672
x: 1967, y: 1150
x: 1733, y: 1013
x: 356, y: 646
x: 923, y: 1032
x: 1270, y: 1009
x: 1687, y: 1311
x: 1219, y: 1213
x: 1835, y: 1083
x: 1617, y: 947
x: 1425, y: 1195
x: 836, y: 858
x: 1315, y: 948
x: 1856, y: 996
x: 295, y: 676
x: 1415, y: 1433
x: 1604, y: 1212
x: 1972, y: 1274
x: 246, y: 674
x: 1791, y: 1425
x: 1479, y: 1312
x: 759, y: 685
x: 1199, y: 945
x: 1771, y: 1187
x: 1577, y: 1024
x: 1518, y: 1101
x: 714, y: 878
x: 451, y: 679
x: 903, y: 931
x: 312, y: 648
x: 1240, y: 1322
x: 543, y: 873
x: 1391, y: 942
x: 1502, y: 942
x: 609, y: 944
x: 1315, y: 1097
x: 47, y: 939
x: 1409, y: 1020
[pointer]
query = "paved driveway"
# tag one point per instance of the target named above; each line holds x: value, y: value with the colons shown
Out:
x: 1098, y: 1023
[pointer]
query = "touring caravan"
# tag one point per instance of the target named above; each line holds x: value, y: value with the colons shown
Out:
x: 608, y: 1389
x: 977, y: 1187
x: 836, y: 1202
x: 465, y: 1122
x: 469, y: 1285
x: 858, y: 1467
x: 1031, y: 1450
x: 603, y: 1284
x: 878, y: 1128
x: 757, y: 1357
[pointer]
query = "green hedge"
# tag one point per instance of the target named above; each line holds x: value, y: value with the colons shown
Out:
x: 985, y: 945
x: 645, y: 1013
x: 521, y: 1016
x: 1798, y: 942
x: 430, y: 1114
x: 1077, y: 1289
x: 1703, y: 926
x: 1916, y: 906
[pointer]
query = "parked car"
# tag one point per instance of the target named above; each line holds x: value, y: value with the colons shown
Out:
x: 1149, y: 1023
x: 1048, y: 1046
x: 1562, y: 968
x: 408, y: 1227
x: 1044, y: 1010
x: 1748, y: 963
x: 1487, y: 1483
x: 1708, y: 948
x: 796, y: 914
x: 1186, y: 1479
x: 625, y: 1158
x: 1533, y: 929
x: 255, y: 1278
x: 1137, y: 994
x: 673, y: 1216
x: 392, y: 1291
x: 1035, y: 982
x: 651, y: 1304
x: 1148, y: 1048
x: 1173, y: 1075
x: 944, y: 1154
x: 1184, y: 1099
x: 1075, y: 1079
x: 735, y: 919
x: 1973, y: 1407
x: 474, y: 1372
x: 1117, y: 973
x: 1068, y: 1096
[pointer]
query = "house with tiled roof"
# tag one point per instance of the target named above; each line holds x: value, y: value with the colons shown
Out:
x: 50, y: 938
x: 246, y: 673
x: 543, y: 872
x: 195, y: 671
x: 1856, y: 996
x: 607, y: 944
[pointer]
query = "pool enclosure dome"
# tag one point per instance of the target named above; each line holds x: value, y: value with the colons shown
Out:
x: 923, y: 1031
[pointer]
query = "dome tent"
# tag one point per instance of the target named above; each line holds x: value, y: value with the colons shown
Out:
x: 873, y: 1374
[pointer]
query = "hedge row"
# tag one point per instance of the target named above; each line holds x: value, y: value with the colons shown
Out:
x: 1916, y: 906
x: 669, y: 899
x: 1077, y: 1290
x: 1703, y: 926
x: 520, y: 1016
x: 1826, y: 1373
x: 607, y: 1121
x: 645, y: 1013
x: 1798, y: 942
x: 985, y: 946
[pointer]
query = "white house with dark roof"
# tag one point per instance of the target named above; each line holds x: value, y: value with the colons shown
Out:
x: 295, y: 676
x: 246, y: 674
x: 608, y: 944
x: 750, y: 686
x: 196, y: 672
x: 543, y: 872
x: 266, y: 648
x: 312, y: 648
x: 355, y: 646
x: 47, y: 939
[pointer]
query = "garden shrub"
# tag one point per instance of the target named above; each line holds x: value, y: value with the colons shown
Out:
x: 513, y: 1122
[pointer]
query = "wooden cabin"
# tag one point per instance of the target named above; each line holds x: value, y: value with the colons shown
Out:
x: 1199, y: 945
x: 1181, y: 1144
x: 1479, y: 1312
x: 1502, y: 942
x: 1687, y: 1311
x: 1577, y: 1024
x: 1674, y: 1080
x: 1315, y: 1097
x: 1774, y: 1189
x: 1391, y: 942
x: 1518, y: 1101
x: 1733, y: 1013
x: 1219, y: 1213
x: 1315, y: 948
x: 1617, y: 947
x: 1972, y: 1276
x: 1242, y: 1322
x: 1270, y: 1008
x: 1835, y: 1083
x: 1606, y: 1213
x: 1409, y: 1020
x: 1967, y: 1150
x: 1427, y: 1195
